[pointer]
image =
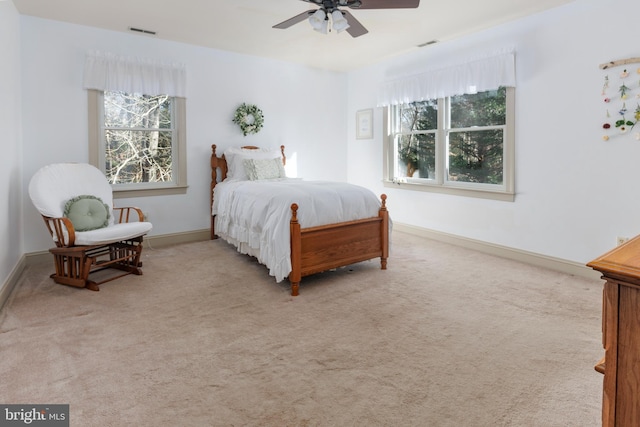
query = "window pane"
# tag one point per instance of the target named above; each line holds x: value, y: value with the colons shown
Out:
x: 124, y: 110
x: 421, y: 115
x: 476, y: 156
x: 138, y: 156
x: 480, y: 109
x: 416, y: 156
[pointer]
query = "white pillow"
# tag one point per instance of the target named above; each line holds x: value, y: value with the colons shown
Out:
x: 257, y: 169
x: 236, y: 156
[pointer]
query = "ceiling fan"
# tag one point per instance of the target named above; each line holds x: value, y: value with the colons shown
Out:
x: 342, y: 19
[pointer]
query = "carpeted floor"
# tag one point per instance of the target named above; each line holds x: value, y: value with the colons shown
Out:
x: 444, y: 337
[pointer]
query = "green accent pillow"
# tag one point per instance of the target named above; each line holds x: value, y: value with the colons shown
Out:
x: 87, y: 213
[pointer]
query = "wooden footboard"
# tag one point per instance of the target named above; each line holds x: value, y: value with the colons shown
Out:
x: 322, y: 248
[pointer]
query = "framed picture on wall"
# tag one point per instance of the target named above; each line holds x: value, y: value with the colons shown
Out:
x: 364, y: 124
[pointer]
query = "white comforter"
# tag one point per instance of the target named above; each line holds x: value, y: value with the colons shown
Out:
x: 255, y: 215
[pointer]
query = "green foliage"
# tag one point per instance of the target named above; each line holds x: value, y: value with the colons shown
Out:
x: 416, y: 151
x: 476, y: 155
x: 249, y: 118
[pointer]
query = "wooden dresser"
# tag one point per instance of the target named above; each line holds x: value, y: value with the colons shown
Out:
x: 620, y: 268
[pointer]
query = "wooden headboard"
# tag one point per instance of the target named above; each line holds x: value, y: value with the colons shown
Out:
x: 220, y: 163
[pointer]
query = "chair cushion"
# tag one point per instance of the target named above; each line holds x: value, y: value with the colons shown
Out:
x: 87, y: 213
x: 113, y: 233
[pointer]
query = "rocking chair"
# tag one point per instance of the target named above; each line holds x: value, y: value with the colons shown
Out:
x: 76, y: 203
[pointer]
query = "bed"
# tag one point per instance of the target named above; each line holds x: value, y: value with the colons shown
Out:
x: 289, y: 227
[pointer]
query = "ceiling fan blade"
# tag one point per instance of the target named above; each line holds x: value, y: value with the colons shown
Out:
x: 356, y: 29
x: 292, y: 21
x: 387, y: 4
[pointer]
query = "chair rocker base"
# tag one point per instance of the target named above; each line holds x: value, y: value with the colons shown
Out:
x: 74, y: 264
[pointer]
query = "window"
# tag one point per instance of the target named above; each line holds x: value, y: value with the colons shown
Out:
x: 461, y: 145
x: 138, y: 142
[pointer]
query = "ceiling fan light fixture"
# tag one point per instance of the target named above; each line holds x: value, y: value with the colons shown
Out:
x: 338, y: 22
x: 324, y: 27
x: 318, y: 20
x: 342, y: 20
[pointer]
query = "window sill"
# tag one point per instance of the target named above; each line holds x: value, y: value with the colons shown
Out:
x: 145, y: 192
x: 454, y: 191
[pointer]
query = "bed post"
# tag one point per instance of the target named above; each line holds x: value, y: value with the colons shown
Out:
x: 384, y: 229
x: 296, y: 251
x: 214, y: 181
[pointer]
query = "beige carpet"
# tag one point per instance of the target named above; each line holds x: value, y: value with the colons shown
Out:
x: 445, y: 337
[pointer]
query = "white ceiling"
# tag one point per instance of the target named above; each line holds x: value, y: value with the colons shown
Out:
x: 244, y: 26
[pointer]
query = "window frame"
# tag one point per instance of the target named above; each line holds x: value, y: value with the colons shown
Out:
x: 504, y: 192
x: 179, y: 150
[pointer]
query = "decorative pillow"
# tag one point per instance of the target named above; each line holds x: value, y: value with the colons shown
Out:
x: 264, y: 168
x: 87, y: 213
x: 236, y: 156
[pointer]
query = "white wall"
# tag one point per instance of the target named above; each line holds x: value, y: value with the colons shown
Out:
x: 304, y: 109
x: 11, y: 158
x: 575, y: 193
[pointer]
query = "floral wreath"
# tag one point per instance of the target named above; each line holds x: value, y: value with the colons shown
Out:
x: 249, y: 118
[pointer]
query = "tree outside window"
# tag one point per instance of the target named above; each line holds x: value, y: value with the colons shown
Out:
x: 476, y: 137
x: 416, y: 140
x: 138, y: 137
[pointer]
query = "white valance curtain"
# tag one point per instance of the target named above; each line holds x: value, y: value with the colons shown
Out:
x: 107, y: 71
x: 472, y: 76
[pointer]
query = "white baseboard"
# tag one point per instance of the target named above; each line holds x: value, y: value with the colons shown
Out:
x: 552, y: 263
x: 12, y: 281
x: 178, y: 238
